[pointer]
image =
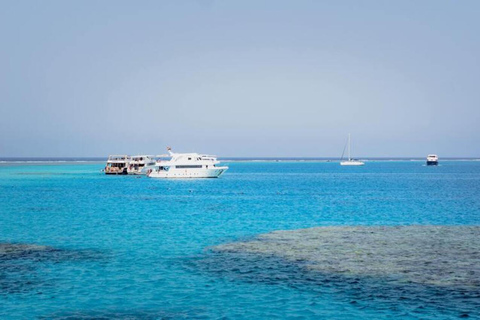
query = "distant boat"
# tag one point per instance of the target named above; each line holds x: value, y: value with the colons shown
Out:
x: 140, y: 164
x: 117, y: 164
x: 432, y: 160
x: 350, y: 161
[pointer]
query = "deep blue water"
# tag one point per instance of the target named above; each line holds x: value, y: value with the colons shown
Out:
x: 132, y: 247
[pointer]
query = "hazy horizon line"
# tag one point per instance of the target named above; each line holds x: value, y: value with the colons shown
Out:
x: 99, y: 158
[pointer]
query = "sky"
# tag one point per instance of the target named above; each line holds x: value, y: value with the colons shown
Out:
x: 240, y: 78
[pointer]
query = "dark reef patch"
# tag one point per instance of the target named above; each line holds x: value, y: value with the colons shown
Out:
x: 20, y: 265
x: 125, y: 315
x: 415, y: 269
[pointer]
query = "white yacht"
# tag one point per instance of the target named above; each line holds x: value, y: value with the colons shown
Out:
x: 432, y: 160
x: 140, y: 164
x: 350, y: 161
x: 117, y: 164
x: 187, y: 165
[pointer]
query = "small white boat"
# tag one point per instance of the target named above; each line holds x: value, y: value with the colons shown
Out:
x: 117, y: 164
x: 350, y: 161
x: 187, y: 165
x: 432, y: 160
x: 140, y: 164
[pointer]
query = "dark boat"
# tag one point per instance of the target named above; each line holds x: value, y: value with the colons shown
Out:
x: 432, y: 160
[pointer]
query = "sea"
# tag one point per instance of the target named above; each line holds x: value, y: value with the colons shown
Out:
x: 78, y: 244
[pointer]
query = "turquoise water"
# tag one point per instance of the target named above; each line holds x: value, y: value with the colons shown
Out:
x: 138, y: 248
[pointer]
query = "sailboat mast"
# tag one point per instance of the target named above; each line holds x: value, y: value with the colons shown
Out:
x: 349, y: 147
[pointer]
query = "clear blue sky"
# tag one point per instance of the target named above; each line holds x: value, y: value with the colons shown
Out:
x: 240, y: 78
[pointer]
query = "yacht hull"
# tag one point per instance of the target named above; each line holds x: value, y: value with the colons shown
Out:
x: 116, y: 173
x: 352, y: 163
x: 188, y: 173
x: 140, y: 171
x: 432, y: 163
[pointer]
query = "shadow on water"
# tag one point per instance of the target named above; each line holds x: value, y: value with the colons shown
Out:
x: 20, y: 265
x: 411, y: 284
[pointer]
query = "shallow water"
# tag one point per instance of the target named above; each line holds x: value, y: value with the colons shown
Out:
x: 138, y: 248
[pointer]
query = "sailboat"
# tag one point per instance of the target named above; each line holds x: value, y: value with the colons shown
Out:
x: 350, y: 161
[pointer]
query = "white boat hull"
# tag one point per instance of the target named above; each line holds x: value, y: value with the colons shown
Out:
x: 188, y: 173
x: 139, y: 171
x: 352, y: 163
x: 432, y: 160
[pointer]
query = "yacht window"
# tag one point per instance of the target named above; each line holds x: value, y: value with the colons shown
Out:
x: 189, y: 158
x: 188, y: 167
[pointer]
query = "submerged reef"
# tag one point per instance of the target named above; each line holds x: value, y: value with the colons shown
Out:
x: 21, y: 265
x: 433, y: 255
x: 18, y: 250
x: 121, y: 315
x: 411, y: 269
